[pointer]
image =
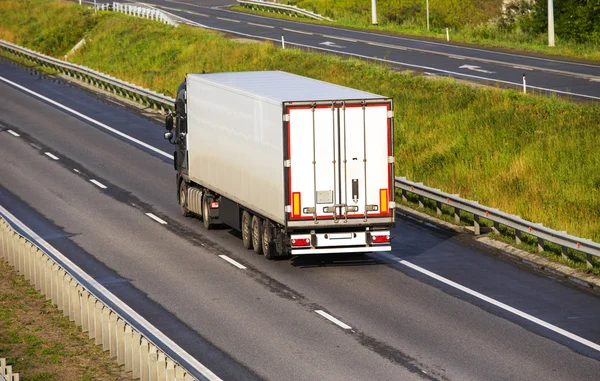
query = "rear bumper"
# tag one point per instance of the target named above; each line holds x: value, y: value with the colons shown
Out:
x: 341, y: 250
x: 340, y: 243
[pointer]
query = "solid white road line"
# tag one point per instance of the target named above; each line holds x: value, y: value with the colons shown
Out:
x: 333, y: 320
x: 13, y: 133
x: 97, y: 183
x: 236, y: 264
x: 496, y: 303
x: 160, y: 221
x: 85, y: 117
x: 51, y: 155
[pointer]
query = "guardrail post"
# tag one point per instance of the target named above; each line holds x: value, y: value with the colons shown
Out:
x: 518, y: 237
x: 54, y: 284
x: 457, y: 215
x: 496, y: 227
x: 48, y: 277
x: 66, y: 294
x: 37, y: 276
x: 97, y: 322
x: 476, y: 226
x: 83, y: 300
x: 128, y: 348
x: 179, y: 373
x: 540, y: 244
x: 421, y: 205
x: 170, y: 370
x: 120, y: 341
x: 75, y: 303
x: 105, y: 319
x: 161, y: 366
x: 112, y: 336
x: 144, y: 359
x: 19, y: 254
x: 137, y: 349
x: 564, y: 253
x: 438, y: 208
x: 152, y: 363
x: 27, y: 262
x: 588, y: 261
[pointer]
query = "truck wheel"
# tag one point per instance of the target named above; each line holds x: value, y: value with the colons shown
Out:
x: 183, y: 199
x: 280, y: 247
x: 247, y: 230
x: 257, y: 234
x: 205, y: 213
x: 268, y: 247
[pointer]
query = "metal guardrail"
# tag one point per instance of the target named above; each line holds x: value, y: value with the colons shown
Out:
x: 104, y: 81
x: 151, y: 98
x: 139, y: 11
x: 564, y: 240
x: 135, y: 343
x: 281, y: 8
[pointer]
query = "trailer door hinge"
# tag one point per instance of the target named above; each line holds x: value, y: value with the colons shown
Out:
x: 287, y: 163
x: 288, y: 209
x: 391, y: 159
x: 392, y: 204
x: 286, y: 117
x: 390, y: 114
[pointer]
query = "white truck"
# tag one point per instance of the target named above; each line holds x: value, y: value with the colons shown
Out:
x: 298, y: 166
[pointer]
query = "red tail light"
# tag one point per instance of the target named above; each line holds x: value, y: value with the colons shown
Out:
x: 380, y: 239
x: 298, y: 242
x: 214, y: 204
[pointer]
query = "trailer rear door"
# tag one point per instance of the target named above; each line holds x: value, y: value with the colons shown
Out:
x: 340, y: 161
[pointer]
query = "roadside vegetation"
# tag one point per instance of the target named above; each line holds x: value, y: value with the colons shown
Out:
x: 521, y: 26
x: 529, y: 155
x: 40, y: 343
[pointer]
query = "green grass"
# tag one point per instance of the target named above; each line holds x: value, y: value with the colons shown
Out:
x: 528, y: 155
x: 478, y: 27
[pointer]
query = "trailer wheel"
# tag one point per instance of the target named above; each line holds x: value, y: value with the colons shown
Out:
x: 257, y: 234
x: 205, y: 213
x: 183, y: 199
x: 268, y: 247
x: 281, y: 248
x: 247, y: 230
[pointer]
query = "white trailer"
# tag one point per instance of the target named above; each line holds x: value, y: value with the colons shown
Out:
x: 298, y: 165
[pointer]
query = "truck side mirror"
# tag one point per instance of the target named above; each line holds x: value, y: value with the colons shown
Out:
x: 169, y: 122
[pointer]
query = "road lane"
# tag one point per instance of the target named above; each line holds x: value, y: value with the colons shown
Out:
x: 551, y: 75
x: 409, y: 322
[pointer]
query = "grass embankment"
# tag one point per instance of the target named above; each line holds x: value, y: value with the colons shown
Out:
x: 469, y: 21
x: 40, y: 343
x: 527, y: 155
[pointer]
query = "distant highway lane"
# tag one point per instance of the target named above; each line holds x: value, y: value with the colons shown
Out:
x: 109, y: 204
x: 437, y: 58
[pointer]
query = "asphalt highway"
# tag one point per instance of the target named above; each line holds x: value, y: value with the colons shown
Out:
x: 88, y: 191
x: 437, y: 58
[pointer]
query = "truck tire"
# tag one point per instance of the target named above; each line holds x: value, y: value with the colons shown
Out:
x: 257, y: 234
x: 247, y: 230
x: 268, y: 246
x: 206, y: 220
x: 183, y: 199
